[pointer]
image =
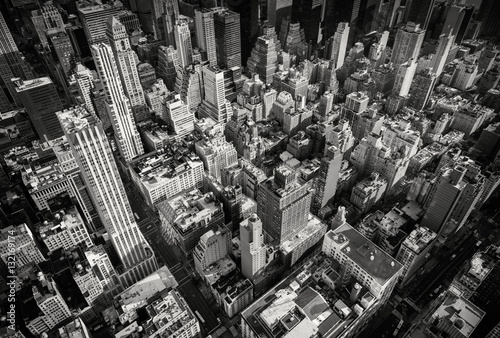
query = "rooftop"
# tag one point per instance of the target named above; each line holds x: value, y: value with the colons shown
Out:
x: 156, y: 169
x: 30, y: 84
x: 314, y: 225
x: 138, y: 294
x: 218, y: 269
x: 462, y: 314
x: 75, y: 119
x: 62, y: 221
x: 42, y: 178
x: 365, y: 253
x: 419, y: 239
x: 189, y: 209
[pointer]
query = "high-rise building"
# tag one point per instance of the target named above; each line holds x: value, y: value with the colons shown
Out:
x: 85, y: 83
x: 61, y: 44
x: 168, y: 62
x: 183, y: 42
x: 92, y: 152
x: 488, y: 15
x: 205, y: 34
x: 216, y: 153
x: 308, y: 13
x: 170, y: 16
x: 283, y: 204
x: 413, y: 251
x: 264, y: 56
x: 409, y: 39
x: 419, y: 12
x: 40, y: 98
x: 443, y: 49
x: 125, y: 59
x: 253, y: 251
x: 12, y: 65
x: 94, y: 16
x: 214, y: 105
x: 50, y: 302
x: 339, y: 45
x: 212, y: 247
x: 189, y: 84
x: 178, y: 115
x: 421, y: 89
x: 326, y: 181
x: 368, y: 192
x: 404, y: 78
x: 451, y: 198
x: 47, y: 17
x: 19, y: 243
x: 227, y: 37
x: 117, y: 104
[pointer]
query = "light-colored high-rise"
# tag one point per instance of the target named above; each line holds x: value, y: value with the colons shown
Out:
x: 212, y: 247
x: 404, y: 78
x: 178, y: 115
x: 205, y: 34
x: 328, y: 175
x: 253, y: 251
x: 183, y: 42
x: 443, y: 49
x: 408, y: 42
x: 125, y: 60
x: 93, y: 154
x: 215, y: 104
x: 85, y: 83
x: 339, y: 45
x: 26, y: 248
x: 117, y: 104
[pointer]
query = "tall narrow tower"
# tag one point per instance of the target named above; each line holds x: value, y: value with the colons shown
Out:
x: 328, y: 176
x: 12, y: 65
x: 117, y: 104
x: 125, y: 60
x: 408, y: 42
x: 339, y: 45
x: 183, y: 42
x: 170, y: 16
x: 93, y: 154
x: 205, y: 34
x: 253, y: 251
x: 227, y: 37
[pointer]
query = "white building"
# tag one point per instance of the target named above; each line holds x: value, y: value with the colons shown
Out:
x: 159, y: 177
x: 178, y: 115
x: 253, y: 250
x: 339, y: 45
x: 18, y: 244
x: 183, y: 42
x: 216, y: 154
x: 118, y: 106
x: 65, y: 231
x: 92, y: 151
x: 213, y: 246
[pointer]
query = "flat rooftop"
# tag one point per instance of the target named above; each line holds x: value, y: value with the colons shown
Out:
x: 462, y: 314
x: 75, y: 119
x: 314, y: 225
x: 30, y: 84
x: 371, y: 258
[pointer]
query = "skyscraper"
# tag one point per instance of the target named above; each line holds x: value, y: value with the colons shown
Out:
x: 339, y: 45
x: 93, y: 154
x: 328, y: 175
x: 94, y: 17
x: 227, y: 37
x: 421, y: 89
x: 205, y: 34
x: 12, y: 65
x: 64, y: 49
x: 117, y: 104
x: 264, y: 57
x: 253, y: 251
x: 178, y: 115
x: 40, y: 98
x: 404, y: 78
x: 125, y: 61
x: 168, y: 61
x: 419, y: 11
x: 308, y: 13
x: 488, y: 15
x: 183, y: 42
x: 443, y: 49
x: 170, y: 16
x: 283, y: 204
x: 214, y: 105
x: 408, y: 42
x: 84, y: 83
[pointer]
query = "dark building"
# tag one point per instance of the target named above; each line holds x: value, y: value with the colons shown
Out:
x: 308, y: 13
x: 419, y: 11
x: 488, y: 15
